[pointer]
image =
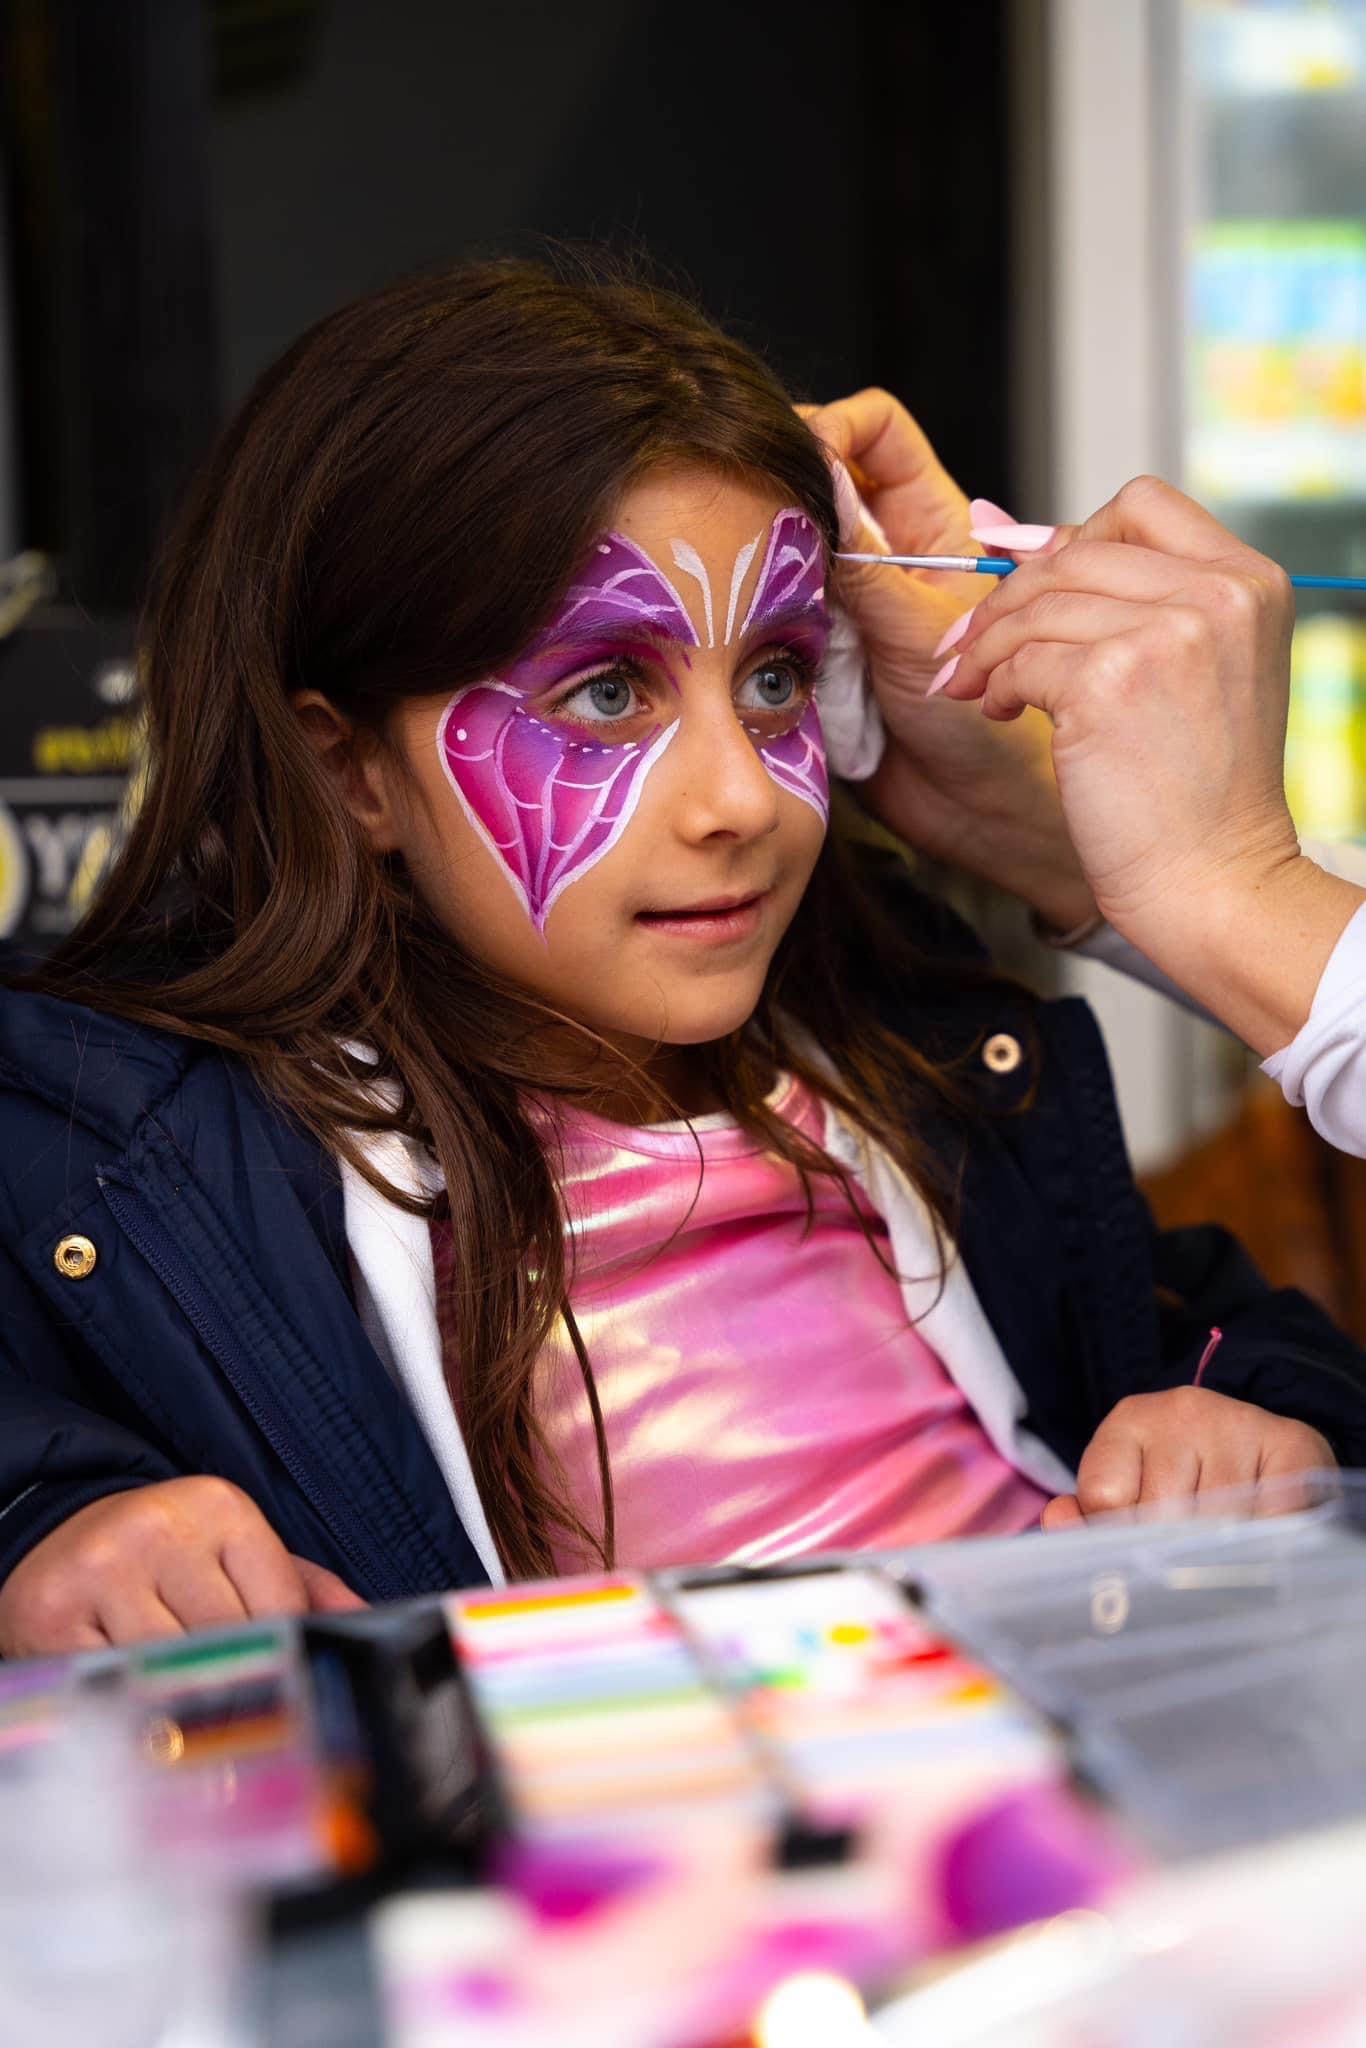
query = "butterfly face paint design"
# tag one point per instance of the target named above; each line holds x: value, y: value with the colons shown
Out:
x: 548, y: 799
x: 546, y: 803
x: 791, y: 583
x: 790, y: 591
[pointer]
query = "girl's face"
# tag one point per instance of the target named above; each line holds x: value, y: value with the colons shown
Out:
x: 624, y: 819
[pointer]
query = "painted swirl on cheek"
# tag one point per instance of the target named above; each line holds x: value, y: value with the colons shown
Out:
x: 792, y: 577
x: 797, y: 762
x: 547, y: 804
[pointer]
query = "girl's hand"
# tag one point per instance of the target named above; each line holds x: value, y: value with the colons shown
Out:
x: 980, y: 797
x: 1158, y: 644
x: 156, y: 1561
x: 1187, y: 1441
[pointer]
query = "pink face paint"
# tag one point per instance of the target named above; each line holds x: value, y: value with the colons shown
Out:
x: 797, y: 762
x: 791, y: 585
x: 547, y: 802
x: 793, y: 572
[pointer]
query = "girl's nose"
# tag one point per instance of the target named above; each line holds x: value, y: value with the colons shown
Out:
x: 722, y: 784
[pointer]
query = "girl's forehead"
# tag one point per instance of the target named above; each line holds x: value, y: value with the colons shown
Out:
x: 705, y: 509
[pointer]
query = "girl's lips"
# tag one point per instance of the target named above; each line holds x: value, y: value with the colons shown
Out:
x: 719, y: 923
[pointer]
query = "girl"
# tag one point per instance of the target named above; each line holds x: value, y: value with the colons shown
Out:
x: 488, y: 1123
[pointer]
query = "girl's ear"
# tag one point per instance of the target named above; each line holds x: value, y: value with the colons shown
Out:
x: 357, y: 764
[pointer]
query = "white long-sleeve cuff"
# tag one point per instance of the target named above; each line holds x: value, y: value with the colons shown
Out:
x: 1324, y: 1065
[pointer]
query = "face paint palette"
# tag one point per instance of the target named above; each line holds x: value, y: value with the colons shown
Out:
x: 237, y: 1781
x: 862, y: 1702
x: 598, y: 1713
x: 287, y: 1758
x: 33, y: 1697
x: 695, y: 1773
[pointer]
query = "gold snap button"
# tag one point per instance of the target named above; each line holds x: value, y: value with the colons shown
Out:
x: 1002, y: 1054
x: 75, y: 1258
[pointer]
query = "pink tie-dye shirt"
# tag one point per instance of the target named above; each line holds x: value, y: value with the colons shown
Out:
x: 763, y: 1391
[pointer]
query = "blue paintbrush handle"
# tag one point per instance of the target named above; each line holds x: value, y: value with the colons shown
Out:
x: 1001, y: 565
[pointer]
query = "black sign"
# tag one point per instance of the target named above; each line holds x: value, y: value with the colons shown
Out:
x: 67, y: 739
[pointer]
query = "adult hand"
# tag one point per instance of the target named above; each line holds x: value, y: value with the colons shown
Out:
x: 1186, y: 1442
x: 157, y: 1561
x: 980, y: 797
x: 1158, y: 644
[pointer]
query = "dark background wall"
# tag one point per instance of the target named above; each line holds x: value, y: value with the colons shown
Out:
x: 193, y: 183
x: 729, y: 150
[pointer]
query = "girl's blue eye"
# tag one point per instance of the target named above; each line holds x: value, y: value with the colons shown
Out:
x: 774, y: 687
x: 602, y: 700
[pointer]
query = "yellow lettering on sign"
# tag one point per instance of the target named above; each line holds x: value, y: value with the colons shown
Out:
x: 105, y: 749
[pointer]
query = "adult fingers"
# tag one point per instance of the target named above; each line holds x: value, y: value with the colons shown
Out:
x: 1062, y: 1513
x: 1052, y: 615
x: 811, y: 414
x: 1043, y: 675
x: 327, y: 1594
x: 1193, y: 603
x: 892, y: 456
x: 874, y: 430
x: 1157, y: 515
x: 1106, y: 569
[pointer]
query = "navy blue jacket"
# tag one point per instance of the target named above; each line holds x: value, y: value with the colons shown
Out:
x: 216, y: 1332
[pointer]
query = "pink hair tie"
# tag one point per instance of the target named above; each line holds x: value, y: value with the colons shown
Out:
x: 1216, y: 1338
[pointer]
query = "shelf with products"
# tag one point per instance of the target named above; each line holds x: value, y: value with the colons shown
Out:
x: 1263, y: 52
x: 1325, y: 753
x: 1276, y: 369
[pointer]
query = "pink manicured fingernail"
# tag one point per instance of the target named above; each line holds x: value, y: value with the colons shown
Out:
x: 955, y: 632
x: 944, y: 677
x: 1016, y: 540
x: 982, y: 512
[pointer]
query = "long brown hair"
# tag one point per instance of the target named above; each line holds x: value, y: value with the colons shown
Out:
x: 395, y: 512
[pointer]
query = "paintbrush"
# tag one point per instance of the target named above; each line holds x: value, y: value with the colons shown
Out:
x: 1001, y: 565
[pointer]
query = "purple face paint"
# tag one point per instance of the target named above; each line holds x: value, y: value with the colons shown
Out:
x: 793, y: 573
x: 791, y: 584
x: 547, y: 803
x: 797, y: 762
x: 549, y: 800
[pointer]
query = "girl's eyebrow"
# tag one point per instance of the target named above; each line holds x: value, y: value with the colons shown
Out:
x: 783, y: 618
x: 609, y: 624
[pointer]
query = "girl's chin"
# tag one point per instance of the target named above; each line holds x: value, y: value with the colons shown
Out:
x: 698, y: 1025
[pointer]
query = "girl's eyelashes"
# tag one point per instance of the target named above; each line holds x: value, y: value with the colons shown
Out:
x: 780, y: 683
x: 610, y: 697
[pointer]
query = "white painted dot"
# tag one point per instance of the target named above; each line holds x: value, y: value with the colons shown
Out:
x: 461, y: 733
x: 604, y: 547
